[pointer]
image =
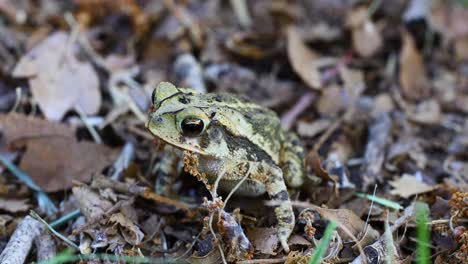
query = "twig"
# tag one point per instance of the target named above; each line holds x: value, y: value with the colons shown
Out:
x: 139, y: 132
x: 236, y: 187
x: 45, y: 245
x: 214, y: 196
x: 123, y: 161
x: 91, y: 129
x: 102, y: 182
x: 189, y: 72
x: 370, y: 209
x: 186, y: 20
x: 327, y: 134
x: 98, y: 60
x: 21, y: 241
x: 374, y: 156
x: 242, y: 12
x: 17, y: 99
x: 291, y: 115
x: 340, y: 225
x: 210, y: 225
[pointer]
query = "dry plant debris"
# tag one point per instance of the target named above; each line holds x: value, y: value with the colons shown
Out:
x: 377, y: 92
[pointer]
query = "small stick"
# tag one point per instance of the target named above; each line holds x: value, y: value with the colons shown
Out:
x: 46, y: 248
x: 290, y: 116
x: 374, y: 156
x: 21, y: 241
x: 242, y: 13
x: 189, y: 72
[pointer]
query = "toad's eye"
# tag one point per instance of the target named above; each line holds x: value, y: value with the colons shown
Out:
x: 192, y: 126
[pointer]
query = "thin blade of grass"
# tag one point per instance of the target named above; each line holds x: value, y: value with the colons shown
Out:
x: 68, y: 257
x: 45, y: 203
x: 322, y: 247
x: 382, y: 201
x: 66, y: 218
x: 422, y: 248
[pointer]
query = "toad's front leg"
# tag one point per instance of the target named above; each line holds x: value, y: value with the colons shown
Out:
x: 276, y: 189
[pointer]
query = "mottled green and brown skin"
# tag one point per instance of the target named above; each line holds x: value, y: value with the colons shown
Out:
x: 237, y: 136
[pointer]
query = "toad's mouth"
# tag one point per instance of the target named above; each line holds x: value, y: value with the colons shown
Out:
x: 182, y: 143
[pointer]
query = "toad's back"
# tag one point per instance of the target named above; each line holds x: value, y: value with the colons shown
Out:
x: 244, y: 120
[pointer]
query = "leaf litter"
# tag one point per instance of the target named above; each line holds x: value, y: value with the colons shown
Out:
x: 376, y: 91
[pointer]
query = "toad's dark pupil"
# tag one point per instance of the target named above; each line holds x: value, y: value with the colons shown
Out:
x: 153, y: 96
x: 192, y: 127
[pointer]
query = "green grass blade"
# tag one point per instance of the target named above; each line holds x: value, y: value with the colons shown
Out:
x: 382, y: 201
x: 422, y: 249
x: 322, y: 247
x: 68, y: 257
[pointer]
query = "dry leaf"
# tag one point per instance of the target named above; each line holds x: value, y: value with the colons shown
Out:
x: 353, y: 223
x: 427, y: 112
x: 58, y: 80
x: 15, y: 127
x: 53, y: 157
x: 130, y: 231
x: 92, y: 206
x: 383, y: 104
x: 367, y: 39
x: 461, y: 48
x: 449, y: 19
x: 303, y: 60
x: 53, y: 163
x: 408, y: 185
x: 414, y: 82
x: 312, y: 129
x: 14, y: 205
x: 353, y: 79
x: 332, y: 101
x: 296, y: 240
x: 264, y: 240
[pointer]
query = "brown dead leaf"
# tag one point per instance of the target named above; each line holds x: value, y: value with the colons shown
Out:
x: 58, y: 80
x: 264, y: 240
x: 449, y: 19
x: 130, y: 231
x: 53, y: 163
x: 414, y: 82
x: 367, y: 39
x: 313, y: 160
x: 312, y: 129
x: 303, y: 60
x: 211, y: 258
x: 461, y: 48
x: 383, y: 104
x: 14, y: 205
x: 426, y: 112
x: 408, y: 185
x: 353, y: 80
x: 296, y: 240
x: 332, y: 101
x: 91, y: 204
x: 15, y: 127
x: 353, y: 223
x: 53, y: 157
